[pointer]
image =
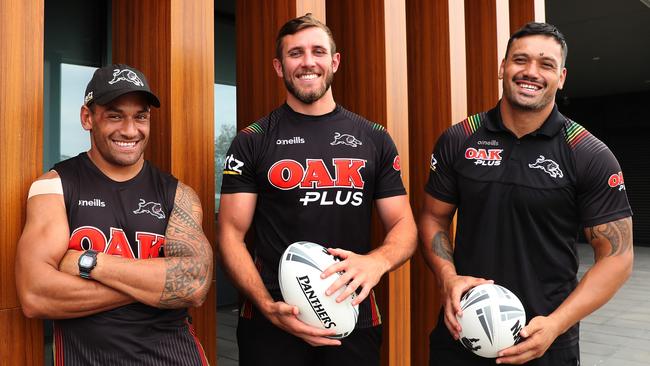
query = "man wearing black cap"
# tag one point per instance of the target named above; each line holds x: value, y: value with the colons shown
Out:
x: 113, y: 248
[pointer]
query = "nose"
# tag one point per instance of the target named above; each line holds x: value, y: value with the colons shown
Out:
x: 532, y: 70
x: 308, y: 59
x: 129, y: 128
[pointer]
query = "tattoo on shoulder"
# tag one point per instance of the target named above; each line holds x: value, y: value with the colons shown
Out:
x: 188, y: 255
x: 618, y: 233
x: 441, y: 246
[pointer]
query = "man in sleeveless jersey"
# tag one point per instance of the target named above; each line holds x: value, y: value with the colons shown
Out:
x: 524, y: 180
x: 310, y: 171
x: 113, y: 248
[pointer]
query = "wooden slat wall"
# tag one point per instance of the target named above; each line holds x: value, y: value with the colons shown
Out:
x: 172, y: 42
x: 371, y: 36
x: 21, y: 152
x: 259, y: 90
x: 524, y: 11
x: 482, y: 55
x: 429, y: 81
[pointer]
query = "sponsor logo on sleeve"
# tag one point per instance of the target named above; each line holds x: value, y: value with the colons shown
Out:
x: 616, y: 181
x: 548, y: 166
x: 397, y: 163
x: 434, y: 162
x: 484, y: 157
x: 232, y: 165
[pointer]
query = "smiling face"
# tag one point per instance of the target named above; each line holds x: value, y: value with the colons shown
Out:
x: 532, y: 72
x: 119, y: 131
x: 307, y: 66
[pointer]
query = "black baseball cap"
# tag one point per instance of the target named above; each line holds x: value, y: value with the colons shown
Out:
x: 110, y: 82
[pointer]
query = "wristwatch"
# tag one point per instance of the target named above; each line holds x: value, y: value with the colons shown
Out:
x: 87, y: 262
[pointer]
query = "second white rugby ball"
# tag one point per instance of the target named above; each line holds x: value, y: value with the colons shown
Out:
x: 299, y: 274
x: 491, y: 321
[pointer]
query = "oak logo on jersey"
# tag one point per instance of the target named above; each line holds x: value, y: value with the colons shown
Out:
x: 616, y: 180
x: 152, y: 208
x: 484, y: 157
x: 232, y: 165
x: 345, y: 139
x: 288, y: 174
x: 149, y: 245
x: 548, y: 166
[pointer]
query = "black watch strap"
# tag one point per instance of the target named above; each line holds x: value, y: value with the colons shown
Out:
x: 87, y: 262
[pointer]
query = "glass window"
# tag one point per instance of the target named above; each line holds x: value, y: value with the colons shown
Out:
x: 74, y: 139
x: 225, y: 128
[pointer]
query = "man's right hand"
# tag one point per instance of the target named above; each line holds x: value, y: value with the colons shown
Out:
x: 284, y: 316
x: 453, y: 287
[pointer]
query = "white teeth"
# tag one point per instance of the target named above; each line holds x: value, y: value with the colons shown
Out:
x: 308, y: 76
x: 529, y: 87
x: 125, y: 144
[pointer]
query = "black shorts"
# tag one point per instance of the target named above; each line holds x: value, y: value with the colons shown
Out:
x: 448, y: 352
x: 262, y: 343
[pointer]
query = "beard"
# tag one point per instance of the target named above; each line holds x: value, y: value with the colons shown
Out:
x: 308, y: 97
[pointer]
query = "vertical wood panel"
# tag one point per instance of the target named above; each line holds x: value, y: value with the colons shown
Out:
x: 524, y: 11
x: 397, y: 118
x: 172, y: 42
x: 436, y: 76
x: 482, y: 57
x: 21, y: 339
x: 21, y: 129
x: 458, y: 61
x: 371, y: 37
x: 259, y: 90
x: 315, y: 7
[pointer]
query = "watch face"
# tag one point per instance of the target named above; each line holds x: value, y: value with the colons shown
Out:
x: 86, y: 261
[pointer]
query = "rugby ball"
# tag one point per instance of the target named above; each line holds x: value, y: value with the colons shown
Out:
x: 299, y: 274
x: 491, y: 321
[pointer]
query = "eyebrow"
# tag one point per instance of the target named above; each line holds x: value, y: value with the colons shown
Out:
x: 546, y: 58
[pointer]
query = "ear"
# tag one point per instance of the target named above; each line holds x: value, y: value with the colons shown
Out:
x: 560, y: 84
x: 277, y: 65
x: 336, y: 61
x: 502, y: 68
x: 86, y: 120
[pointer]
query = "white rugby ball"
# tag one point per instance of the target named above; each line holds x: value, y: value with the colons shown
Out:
x: 299, y: 274
x: 491, y: 321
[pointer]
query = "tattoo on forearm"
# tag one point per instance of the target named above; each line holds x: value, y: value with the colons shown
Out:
x: 618, y: 233
x: 441, y: 246
x: 188, y: 255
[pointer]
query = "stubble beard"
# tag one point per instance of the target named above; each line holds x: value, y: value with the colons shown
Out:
x: 308, y: 97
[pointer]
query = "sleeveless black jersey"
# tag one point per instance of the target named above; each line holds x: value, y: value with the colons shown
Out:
x: 521, y: 203
x: 316, y: 178
x: 126, y: 219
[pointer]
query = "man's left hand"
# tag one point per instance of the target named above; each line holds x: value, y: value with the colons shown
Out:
x: 539, y: 334
x: 358, y: 270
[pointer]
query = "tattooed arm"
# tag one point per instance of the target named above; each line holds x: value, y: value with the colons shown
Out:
x: 612, y: 244
x: 179, y: 280
x: 438, y: 252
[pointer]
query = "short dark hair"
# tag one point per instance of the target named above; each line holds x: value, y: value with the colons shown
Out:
x: 544, y: 29
x: 296, y: 25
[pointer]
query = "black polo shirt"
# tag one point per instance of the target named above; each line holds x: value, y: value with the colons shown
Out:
x: 522, y: 201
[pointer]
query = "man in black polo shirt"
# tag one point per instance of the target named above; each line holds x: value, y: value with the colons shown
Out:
x: 525, y: 179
